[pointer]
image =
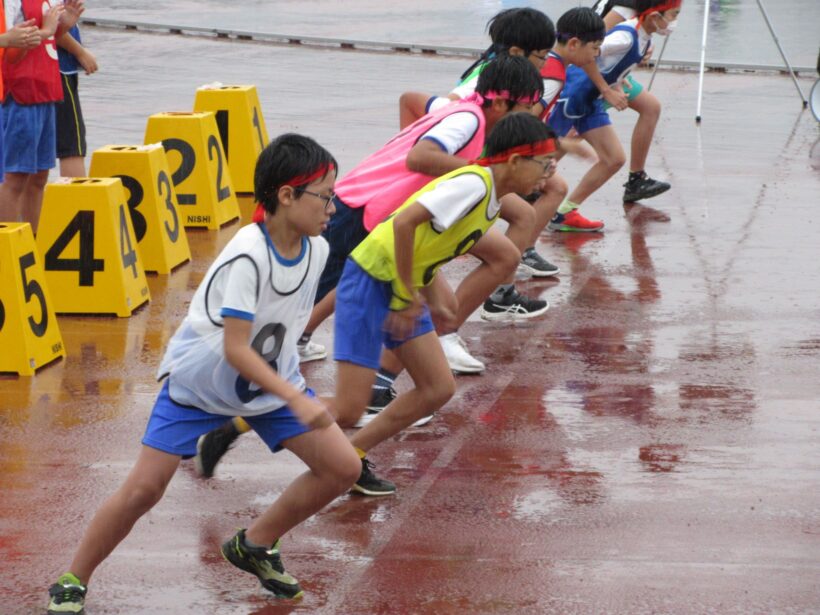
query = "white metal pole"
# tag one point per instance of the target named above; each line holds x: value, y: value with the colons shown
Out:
x: 702, y: 58
x: 782, y: 53
x: 658, y: 63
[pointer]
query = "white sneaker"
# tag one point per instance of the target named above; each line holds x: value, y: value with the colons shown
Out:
x: 311, y: 351
x: 459, y: 359
x: 369, y: 415
x: 423, y: 421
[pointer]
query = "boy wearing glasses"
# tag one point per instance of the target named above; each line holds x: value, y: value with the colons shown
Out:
x: 235, y: 355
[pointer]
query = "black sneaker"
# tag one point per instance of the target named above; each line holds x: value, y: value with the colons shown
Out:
x: 643, y: 187
x: 67, y: 596
x: 512, y: 305
x: 212, y: 446
x: 536, y: 265
x: 370, y: 484
x: 379, y: 400
x: 265, y: 564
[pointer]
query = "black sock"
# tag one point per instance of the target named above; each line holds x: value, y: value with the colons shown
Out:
x: 305, y: 338
x: 635, y: 175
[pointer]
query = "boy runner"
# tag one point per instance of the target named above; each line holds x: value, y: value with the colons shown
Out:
x: 235, y: 355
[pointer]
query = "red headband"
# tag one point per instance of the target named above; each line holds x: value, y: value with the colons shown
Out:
x: 666, y: 6
x: 295, y: 182
x: 539, y: 148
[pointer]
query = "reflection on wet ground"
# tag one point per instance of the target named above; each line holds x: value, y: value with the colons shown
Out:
x: 649, y: 446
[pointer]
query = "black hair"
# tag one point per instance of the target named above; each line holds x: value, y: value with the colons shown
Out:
x: 526, y: 28
x: 582, y: 23
x: 516, y: 129
x: 512, y: 74
x: 286, y: 157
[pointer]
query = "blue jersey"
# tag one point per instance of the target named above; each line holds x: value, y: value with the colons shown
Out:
x: 68, y: 63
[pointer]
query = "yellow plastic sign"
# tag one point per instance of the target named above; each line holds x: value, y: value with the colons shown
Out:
x: 152, y: 203
x: 89, y: 248
x: 199, y: 171
x: 241, y: 127
x: 29, y: 335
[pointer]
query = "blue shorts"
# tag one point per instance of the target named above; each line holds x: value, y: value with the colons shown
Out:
x: 362, y: 305
x: 30, y: 137
x: 344, y: 232
x: 561, y: 123
x: 175, y: 429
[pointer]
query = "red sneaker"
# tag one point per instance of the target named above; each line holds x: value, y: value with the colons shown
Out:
x: 573, y: 221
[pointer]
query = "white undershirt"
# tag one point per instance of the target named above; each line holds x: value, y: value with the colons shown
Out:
x: 451, y: 200
x: 454, y: 131
x: 625, y: 11
x: 617, y: 44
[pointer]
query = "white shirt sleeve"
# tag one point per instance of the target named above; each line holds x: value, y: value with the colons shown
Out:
x: 451, y: 200
x: 454, y: 131
x: 551, y: 89
x: 615, y: 46
x: 14, y: 14
x: 463, y: 90
x: 625, y: 11
x: 438, y: 102
x: 241, y: 283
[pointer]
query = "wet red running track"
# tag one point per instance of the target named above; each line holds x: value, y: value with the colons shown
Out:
x: 649, y: 446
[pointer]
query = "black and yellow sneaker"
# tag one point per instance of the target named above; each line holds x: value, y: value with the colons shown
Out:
x: 211, y: 447
x: 370, y: 484
x: 67, y: 596
x: 265, y: 564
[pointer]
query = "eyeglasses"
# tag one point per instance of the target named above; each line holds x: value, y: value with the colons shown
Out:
x: 327, y: 199
x: 543, y: 58
x: 548, y: 165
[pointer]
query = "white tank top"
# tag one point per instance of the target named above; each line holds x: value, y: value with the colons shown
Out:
x: 248, y: 280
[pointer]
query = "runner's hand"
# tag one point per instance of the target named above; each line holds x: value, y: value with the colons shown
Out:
x: 616, y: 98
x: 310, y: 411
x: 400, y: 324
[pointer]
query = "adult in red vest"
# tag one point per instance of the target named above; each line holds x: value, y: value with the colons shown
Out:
x: 22, y: 36
x: 31, y: 79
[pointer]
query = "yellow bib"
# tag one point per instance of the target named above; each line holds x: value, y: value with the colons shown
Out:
x: 432, y: 248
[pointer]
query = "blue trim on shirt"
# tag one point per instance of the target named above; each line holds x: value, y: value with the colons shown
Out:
x: 279, y: 258
x: 232, y: 313
x: 436, y: 141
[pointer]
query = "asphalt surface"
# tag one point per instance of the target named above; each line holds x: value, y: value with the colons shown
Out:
x: 649, y: 446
